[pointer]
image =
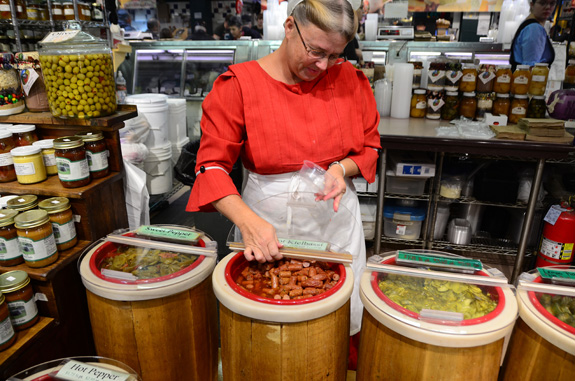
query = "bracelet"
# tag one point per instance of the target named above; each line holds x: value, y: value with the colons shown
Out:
x: 340, y: 164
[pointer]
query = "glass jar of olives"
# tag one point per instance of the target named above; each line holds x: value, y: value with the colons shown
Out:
x: 537, y: 107
x: 79, y: 76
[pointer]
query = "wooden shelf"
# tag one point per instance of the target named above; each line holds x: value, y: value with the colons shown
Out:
x: 26, y: 338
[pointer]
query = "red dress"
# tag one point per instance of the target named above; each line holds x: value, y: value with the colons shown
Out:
x: 275, y: 126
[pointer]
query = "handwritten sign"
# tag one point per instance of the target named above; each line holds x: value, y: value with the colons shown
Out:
x: 168, y: 233
x: 302, y: 244
x: 78, y: 371
x: 438, y: 261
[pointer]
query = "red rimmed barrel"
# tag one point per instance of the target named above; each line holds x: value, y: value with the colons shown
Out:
x: 268, y: 339
x: 165, y: 328
x: 396, y: 345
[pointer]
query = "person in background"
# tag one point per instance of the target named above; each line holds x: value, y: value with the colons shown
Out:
x: 165, y: 33
x: 222, y: 32
x: 154, y: 28
x: 531, y: 43
x: 309, y: 105
x: 246, y: 21
x: 259, y: 27
x: 125, y: 20
x: 200, y: 33
x: 237, y: 30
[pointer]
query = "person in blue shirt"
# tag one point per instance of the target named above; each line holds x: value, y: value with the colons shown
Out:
x: 531, y: 43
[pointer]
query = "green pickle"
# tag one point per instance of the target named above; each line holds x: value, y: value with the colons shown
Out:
x: 537, y: 107
x: 562, y: 307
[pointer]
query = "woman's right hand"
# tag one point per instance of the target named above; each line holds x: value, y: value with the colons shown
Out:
x: 260, y: 240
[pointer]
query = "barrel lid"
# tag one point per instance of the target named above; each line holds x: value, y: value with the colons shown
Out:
x: 147, y: 99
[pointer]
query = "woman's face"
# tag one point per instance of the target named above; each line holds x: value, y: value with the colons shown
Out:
x: 236, y: 32
x: 542, y: 9
x: 312, y: 50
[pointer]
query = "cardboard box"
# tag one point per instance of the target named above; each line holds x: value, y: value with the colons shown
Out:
x: 495, y: 120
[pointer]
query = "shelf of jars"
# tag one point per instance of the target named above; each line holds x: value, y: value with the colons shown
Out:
x: 26, y: 337
x: 56, y: 25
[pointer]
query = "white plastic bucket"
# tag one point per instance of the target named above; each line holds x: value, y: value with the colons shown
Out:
x: 155, y: 108
x: 158, y: 168
x: 177, y: 149
x: 177, y: 130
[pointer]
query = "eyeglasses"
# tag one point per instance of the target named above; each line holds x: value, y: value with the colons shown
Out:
x: 316, y: 54
x: 551, y: 4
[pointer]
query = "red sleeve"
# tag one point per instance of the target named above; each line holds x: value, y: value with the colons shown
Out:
x: 367, y: 159
x: 222, y: 139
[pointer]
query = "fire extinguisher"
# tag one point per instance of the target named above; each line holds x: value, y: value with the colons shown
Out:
x: 558, y: 238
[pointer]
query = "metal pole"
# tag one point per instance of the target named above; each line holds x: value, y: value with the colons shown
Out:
x: 380, y: 200
x: 15, y: 24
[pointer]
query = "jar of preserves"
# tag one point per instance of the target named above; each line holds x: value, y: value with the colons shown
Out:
x: 7, y: 171
x: 10, y: 254
x: 28, y: 164
x: 68, y: 8
x: 519, y: 106
x: 7, y: 334
x: 36, y: 238
x: 501, y: 105
x: 469, y: 78
x: 485, y: 78
x: 84, y: 11
x: 97, y: 12
x: 57, y: 11
x: 436, y: 76
x: 537, y: 107
x: 453, y: 76
x: 86, y: 63
x: 520, y: 81
x: 97, y: 153
x: 435, y: 102
x: 21, y: 10
x: 33, y: 12
x: 539, y: 76
x: 47, y: 146
x: 22, y: 203
x: 484, y: 105
x: 32, y: 80
x: 11, y: 97
x: 62, y: 221
x: 17, y: 289
x: 468, y: 105
x: 5, y: 13
x: 502, y: 79
x: 73, y: 169
x: 450, y: 109
x: 24, y: 134
x: 417, y: 69
x: 44, y: 16
x: 570, y: 72
x: 418, y: 104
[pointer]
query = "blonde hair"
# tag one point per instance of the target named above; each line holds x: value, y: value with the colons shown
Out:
x: 328, y: 15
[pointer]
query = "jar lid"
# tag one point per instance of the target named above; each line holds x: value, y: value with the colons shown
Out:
x: 81, y: 43
x: 419, y: 91
x: 520, y: 96
x: 469, y: 66
x: 538, y: 97
x: 19, y: 128
x: 91, y: 136
x: 542, y: 64
x: 25, y: 150
x: 503, y: 67
x: 46, y: 143
x: 502, y: 95
x: 4, y: 126
x: 68, y: 142
x: 31, y: 219
x: 55, y: 204
x: 147, y: 99
x: 522, y: 67
x: 23, y: 202
x: 452, y: 93
x: 469, y: 94
x: 13, y: 281
x: 7, y: 217
x: 5, y: 134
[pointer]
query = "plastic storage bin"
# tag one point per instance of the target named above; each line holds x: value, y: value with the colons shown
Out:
x: 413, y: 186
x: 402, y: 222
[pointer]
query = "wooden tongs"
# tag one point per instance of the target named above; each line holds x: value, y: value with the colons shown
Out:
x: 313, y: 255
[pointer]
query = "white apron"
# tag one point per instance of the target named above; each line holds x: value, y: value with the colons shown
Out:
x: 288, y: 203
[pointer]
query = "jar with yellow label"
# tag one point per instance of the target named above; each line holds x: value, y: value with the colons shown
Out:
x: 33, y: 12
x: 23, y: 202
x: 7, y: 334
x: 418, y: 104
x: 73, y: 168
x: 62, y: 220
x: 468, y: 105
x: 469, y: 78
x: 29, y: 164
x: 520, y: 81
x: 518, y: 108
x: 539, y: 76
x: 47, y: 146
x: 97, y: 153
x: 17, y: 289
x: 10, y: 254
x: 450, y: 109
x: 36, y: 238
x: 501, y: 105
x: 502, y: 79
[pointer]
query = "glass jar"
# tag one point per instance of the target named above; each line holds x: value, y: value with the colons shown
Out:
x: 469, y: 78
x: 68, y: 8
x: 97, y: 154
x: 17, y: 289
x: 32, y: 80
x: 485, y: 78
x: 520, y: 81
x: 97, y: 12
x: 539, y: 76
x: 33, y: 12
x: 62, y: 220
x: 22, y: 203
x: 47, y: 146
x: 570, y: 72
x: 44, y: 16
x: 28, y: 164
x: 501, y: 105
x: 7, y: 172
x: 418, y: 104
x: 484, y: 105
x: 519, y: 106
x: 435, y: 102
x: 24, y: 134
x: 57, y: 11
x: 417, y: 69
x: 21, y: 10
x: 453, y: 76
x: 5, y: 13
x: 11, y: 97
x: 84, y: 11
x: 7, y: 334
x: 436, y: 76
x: 468, y: 105
x: 36, y: 238
x: 502, y: 79
x: 83, y: 66
x: 10, y: 254
x: 450, y: 109
x: 537, y: 107
x: 73, y: 169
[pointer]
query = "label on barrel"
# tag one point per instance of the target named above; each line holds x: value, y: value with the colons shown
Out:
x: 169, y: 233
x: 301, y: 244
x: 554, y: 275
x: 75, y: 370
x: 404, y: 257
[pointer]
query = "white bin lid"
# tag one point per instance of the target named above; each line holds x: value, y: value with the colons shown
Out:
x: 147, y: 99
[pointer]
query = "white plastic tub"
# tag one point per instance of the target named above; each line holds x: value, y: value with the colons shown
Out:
x: 414, y: 186
x: 158, y: 167
x: 402, y: 222
x: 177, y: 130
x: 155, y: 108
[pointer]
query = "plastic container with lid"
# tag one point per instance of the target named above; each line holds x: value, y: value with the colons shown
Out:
x: 469, y: 78
x: 11, y: 97
x: 156, y: 110
x: 418, y: 104
x: 73, y: 168
x: 485, y: 78
x: 519, y: 106
x: 86, y: 62
x: 537, y: 107
x: 97, y: 153
x: 453, y: 76
x: 32, y: 80
x: 409, y: 185
x: 17, y: 289
x: 435, y: 102
x: 29, y: 164
x: 36, y: 238
x: 24, y: 134
x: 10, y: 254
x: 403, y: 222
x: 7, y: 172
x: 47, y: 146
x: 62, y: 220
x: 501, y: 105
x: 450, y: 109
x: 539, y: 75
x: 503, y: 77
x: 468, y: 105
x: 7, y: 334
x: 520, y: 80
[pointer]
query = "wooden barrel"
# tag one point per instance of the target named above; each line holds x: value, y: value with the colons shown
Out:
x: 164, y: 331
x: 262, y: 341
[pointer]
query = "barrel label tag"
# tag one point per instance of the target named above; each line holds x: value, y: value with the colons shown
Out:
x: 302, y: 244
x: 556, y: 250
x: 407, y: 258
x: 76, y: 371
x: 554, y: 275
x: 169, y: 233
